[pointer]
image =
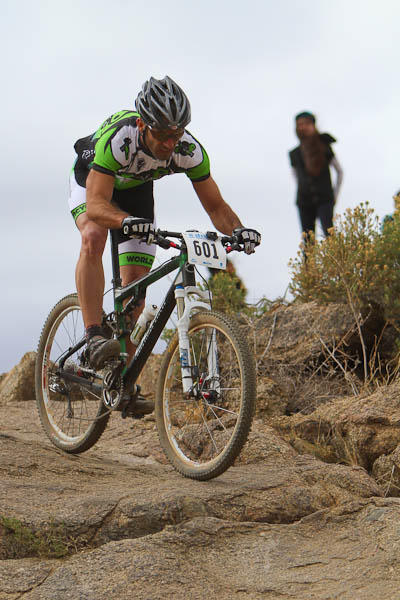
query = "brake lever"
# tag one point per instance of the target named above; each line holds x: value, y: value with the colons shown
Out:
x: 234, y: 247
x: 163, y: 243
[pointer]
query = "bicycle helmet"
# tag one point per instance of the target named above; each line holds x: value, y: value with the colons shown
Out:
x: 162, y: 104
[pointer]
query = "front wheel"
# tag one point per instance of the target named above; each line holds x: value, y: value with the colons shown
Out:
x: 203, y: 432
x: 72, y: 416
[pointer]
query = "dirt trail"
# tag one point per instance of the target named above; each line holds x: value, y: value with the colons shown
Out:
x: 288, y: 526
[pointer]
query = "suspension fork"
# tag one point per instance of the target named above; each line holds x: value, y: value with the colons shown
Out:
x: 212, y: 360
x: 188, y: 299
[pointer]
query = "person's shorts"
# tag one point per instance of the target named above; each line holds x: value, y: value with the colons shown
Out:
x: 138, y: 202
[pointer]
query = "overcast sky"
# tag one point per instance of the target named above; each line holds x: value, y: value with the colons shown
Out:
x: 247, y: 67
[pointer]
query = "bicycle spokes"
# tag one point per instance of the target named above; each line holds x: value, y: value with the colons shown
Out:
x: 202, y: 422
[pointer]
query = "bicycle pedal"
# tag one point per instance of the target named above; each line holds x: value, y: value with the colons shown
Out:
x: 137, y: 408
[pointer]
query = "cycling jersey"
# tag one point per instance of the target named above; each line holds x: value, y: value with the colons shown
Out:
x: 116, y: 149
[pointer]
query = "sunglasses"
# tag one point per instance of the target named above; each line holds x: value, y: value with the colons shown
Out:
x: 162, y: 135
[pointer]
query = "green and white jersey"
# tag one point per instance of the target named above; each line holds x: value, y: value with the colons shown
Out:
x: 116, y: 149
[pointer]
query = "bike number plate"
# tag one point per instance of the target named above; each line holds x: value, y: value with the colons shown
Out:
x: 205, y: 252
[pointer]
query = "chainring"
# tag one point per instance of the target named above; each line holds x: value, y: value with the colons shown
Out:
x: 113, y: 388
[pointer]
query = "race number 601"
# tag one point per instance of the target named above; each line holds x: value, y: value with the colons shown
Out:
x: 203, y: 248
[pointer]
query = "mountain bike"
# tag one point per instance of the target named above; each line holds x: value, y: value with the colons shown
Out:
x: 206, y: 388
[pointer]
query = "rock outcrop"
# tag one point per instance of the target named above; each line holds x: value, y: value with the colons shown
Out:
x: 310, y: 509
x: 19, y: 384
x: 350, y: 430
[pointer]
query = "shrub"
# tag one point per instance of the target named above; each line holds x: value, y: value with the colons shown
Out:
x: 228, y: 293
x: 358, y: 264
x: 20, y: 540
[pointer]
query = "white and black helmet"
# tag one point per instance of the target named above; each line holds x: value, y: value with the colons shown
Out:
x: 163, y: 104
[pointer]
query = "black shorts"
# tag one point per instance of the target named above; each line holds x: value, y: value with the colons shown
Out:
x: 137, y: 201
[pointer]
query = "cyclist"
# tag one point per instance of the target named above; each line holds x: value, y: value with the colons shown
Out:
x: 111, y: 187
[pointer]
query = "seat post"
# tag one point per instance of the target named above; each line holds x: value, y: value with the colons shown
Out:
x: 116, y: 281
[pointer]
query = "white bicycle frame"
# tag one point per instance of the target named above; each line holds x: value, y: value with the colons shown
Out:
x: 189, y: 300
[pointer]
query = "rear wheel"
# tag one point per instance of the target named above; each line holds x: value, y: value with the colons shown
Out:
x: 204, y: 431
x: 72, y: 416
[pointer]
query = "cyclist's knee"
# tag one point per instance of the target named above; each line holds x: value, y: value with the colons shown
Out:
x: 94, y: 239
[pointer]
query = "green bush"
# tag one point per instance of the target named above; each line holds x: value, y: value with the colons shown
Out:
x: 358, y: 263
x: 20, y: 540
x: 228, y: 293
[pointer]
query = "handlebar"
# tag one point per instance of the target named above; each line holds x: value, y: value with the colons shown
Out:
x: 230, y: 243
x: 164, y: 233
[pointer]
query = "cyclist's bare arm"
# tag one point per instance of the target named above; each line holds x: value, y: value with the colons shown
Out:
x: 99, y: 190
x: 220, y: 213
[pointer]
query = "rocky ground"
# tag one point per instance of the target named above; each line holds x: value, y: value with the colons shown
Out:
x: 309, y: 511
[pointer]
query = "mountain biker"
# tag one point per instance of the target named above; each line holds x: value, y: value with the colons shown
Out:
x: 111, y: 186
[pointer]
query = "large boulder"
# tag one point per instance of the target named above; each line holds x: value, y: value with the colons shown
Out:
x: 386, y: 471
x: 294, y: 346
x: 353, y: 430
x: 350, y: 551
x: 19, y: 383
x: 295, y: 334
x: 309, y: 354
x: 79, y: 501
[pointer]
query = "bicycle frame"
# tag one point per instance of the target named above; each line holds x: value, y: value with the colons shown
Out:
x: 180, y: 293
x: 136, y: 291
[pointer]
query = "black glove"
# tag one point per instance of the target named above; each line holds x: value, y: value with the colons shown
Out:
x: 139, y: 228
x: 250, y: 238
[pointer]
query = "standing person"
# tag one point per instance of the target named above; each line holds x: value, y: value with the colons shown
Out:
x: 311, y: 162
x: 112, y: 188
x: 390, y: 218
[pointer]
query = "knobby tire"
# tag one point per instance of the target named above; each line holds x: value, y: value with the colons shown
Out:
x: 202, y: 437
x: 76, y: 427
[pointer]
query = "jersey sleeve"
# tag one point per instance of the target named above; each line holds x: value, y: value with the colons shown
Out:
x: 113, y: 150
x: 202, y: 171
x: 191, y: 158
